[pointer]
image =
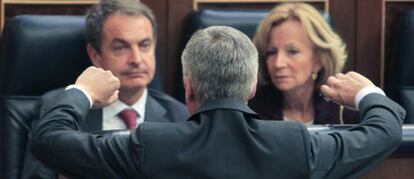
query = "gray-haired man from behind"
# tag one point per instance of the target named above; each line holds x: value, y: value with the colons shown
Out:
x: 223, y: 138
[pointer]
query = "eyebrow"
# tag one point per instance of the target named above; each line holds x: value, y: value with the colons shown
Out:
x: 119, y: 40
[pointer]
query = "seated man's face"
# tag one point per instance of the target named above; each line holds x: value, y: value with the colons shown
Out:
x: 127, y: 49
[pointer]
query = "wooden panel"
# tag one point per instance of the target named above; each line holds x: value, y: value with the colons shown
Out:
x: 368, y: 39
x: 178, y: 11
x: 19, y: 9
x: 10, y: 8
x: 344, y: 16
x: 394, y: 167
x: 160, y: 10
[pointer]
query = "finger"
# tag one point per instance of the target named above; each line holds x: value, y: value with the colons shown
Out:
x: 113, y: 86
x: 340, y: 75
x: 332, y: 81
x: 110, y: 72
x: 117, y: 82
x: 360, y: 78
x: 114, y: 97
x: 94, y: 69
x: 328, y: 91
x: 352, y: 73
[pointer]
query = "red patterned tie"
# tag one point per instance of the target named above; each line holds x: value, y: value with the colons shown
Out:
x: 129, y: 116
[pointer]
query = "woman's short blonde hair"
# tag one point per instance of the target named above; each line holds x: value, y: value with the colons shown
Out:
x: 328, y: 46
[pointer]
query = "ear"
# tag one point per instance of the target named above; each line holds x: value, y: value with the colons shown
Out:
x: 317, y: 66
x: 192, y: 103
x: 94, y: 55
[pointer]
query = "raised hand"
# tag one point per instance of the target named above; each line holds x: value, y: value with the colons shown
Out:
x: 342, y: 88
x: 100, y: 84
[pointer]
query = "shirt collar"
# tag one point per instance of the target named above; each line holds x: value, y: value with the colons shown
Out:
x: 116, y: 107
x: 226, y: 104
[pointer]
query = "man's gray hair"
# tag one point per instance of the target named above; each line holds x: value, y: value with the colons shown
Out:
x: 97, y: 15
x: 221, y: 62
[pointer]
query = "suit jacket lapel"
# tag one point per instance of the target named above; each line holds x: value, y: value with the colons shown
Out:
x: 93, y: 121
x: 154, y: 111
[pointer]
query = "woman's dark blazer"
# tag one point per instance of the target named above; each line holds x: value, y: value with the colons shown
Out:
x: 268, y: 103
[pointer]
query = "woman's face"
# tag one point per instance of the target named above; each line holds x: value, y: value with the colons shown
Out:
x: 290, y: 57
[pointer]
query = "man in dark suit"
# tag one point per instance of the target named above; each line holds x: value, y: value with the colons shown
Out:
x: 121, y: 37
x: 223, y: 138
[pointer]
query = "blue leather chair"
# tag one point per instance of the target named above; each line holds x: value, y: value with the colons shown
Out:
x: 39, y: 53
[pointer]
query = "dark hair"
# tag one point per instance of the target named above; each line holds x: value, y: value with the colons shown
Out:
x: 98, y: 13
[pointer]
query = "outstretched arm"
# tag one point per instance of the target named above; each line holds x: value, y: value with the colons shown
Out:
x: 57, y: 141
x: 350, y: 153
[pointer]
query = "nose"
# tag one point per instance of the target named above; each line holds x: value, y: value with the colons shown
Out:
x: 280, y: 60
x: 135, y: 56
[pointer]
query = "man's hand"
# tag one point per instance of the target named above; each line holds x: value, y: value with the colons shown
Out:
x: 101, y: 85
x: 342, y: 88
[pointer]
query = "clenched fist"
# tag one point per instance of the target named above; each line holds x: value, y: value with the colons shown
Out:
x: 342, y: 88
x: 100, y: 84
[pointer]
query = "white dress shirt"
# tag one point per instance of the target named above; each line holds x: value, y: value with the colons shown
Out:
x: 112, y: 121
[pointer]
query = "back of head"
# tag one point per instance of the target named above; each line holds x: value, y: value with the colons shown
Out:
x: 327, y: 44
x: 96, y: 16
x: 221, y: 62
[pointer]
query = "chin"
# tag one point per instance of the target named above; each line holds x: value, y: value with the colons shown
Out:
x: 131, y: 82
x: 283, y: 87
x: 133, y: 86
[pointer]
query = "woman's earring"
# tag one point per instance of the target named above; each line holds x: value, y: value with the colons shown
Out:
x: 314, y: 76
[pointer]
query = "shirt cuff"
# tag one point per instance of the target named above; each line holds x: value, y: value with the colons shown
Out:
x: 366, y: 91
x: 83, y: 91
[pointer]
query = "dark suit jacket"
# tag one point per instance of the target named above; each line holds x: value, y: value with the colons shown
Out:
x: 159, y: 108
x: 268, y: 103
x: 225, y: 139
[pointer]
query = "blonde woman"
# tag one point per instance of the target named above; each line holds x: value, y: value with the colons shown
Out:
x: 298, y: 50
